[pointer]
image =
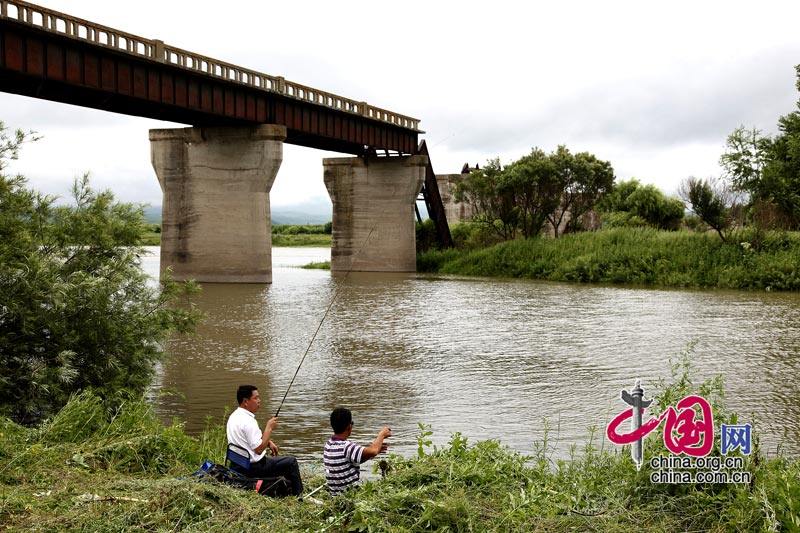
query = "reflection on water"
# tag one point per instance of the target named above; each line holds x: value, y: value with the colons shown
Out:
x: 488, y: 358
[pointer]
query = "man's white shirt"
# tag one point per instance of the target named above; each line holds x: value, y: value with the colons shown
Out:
x: 243, y: 431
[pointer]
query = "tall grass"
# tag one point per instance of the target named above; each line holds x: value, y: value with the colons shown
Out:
x: 641, y: 256
x: 98, y: 470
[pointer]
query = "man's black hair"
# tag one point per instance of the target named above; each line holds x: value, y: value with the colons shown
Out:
x: 244, y: 392
x: 341, y: 417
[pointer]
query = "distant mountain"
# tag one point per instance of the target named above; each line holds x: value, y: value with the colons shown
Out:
x: 313, y: 212
x: 317, y: 211
x: 299, y: 217
x: 152, y: 214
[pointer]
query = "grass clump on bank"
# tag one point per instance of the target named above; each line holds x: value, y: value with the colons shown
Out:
x: 641, y: 256
x: 93, y: 469
x: 317, y: 265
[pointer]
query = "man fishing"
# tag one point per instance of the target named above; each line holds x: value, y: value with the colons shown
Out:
x: 342, y: 458
x: 243, y: 430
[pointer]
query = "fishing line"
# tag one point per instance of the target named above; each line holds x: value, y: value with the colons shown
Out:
x: 333, y: 299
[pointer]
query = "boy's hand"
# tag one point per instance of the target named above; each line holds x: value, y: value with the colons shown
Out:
x: 272, y: 423
x: 385, y: 432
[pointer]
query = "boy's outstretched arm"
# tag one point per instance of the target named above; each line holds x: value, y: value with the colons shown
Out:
x: 377, y: 445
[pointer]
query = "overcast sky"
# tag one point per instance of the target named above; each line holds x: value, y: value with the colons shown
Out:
x: 652, y: 87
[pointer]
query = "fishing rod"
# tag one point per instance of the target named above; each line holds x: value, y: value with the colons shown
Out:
x: 333, y: 299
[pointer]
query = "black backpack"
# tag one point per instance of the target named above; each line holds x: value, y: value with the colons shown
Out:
x: 269, y: 486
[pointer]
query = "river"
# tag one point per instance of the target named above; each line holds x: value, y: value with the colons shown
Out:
x: 490, y: 358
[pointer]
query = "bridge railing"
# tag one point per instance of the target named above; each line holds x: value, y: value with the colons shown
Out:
x: 83, y: 30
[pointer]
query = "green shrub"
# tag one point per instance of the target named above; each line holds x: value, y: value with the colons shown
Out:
x: 473, y: 235
x: 622, y: 219
x: 76, y: 309
x: 426, y: 235
x: 644, y: 202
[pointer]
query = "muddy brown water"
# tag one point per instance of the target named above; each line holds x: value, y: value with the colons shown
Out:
x: 489, y: 358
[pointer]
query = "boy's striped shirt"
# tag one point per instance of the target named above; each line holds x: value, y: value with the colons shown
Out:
x: 341, y: 459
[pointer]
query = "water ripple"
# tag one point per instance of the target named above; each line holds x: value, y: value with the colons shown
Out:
x: 489, y: 358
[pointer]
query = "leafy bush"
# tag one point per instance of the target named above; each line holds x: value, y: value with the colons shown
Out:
x: 76, y: 310
x: 646, y: 202
x: 471, y: 235
x: 622, y: 219
x: 425, y: 235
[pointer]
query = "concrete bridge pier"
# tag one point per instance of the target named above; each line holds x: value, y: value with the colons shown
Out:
x: 374, y: 195
x: 216, y: 215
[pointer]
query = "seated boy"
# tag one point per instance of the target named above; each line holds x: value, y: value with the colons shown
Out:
x: 342, y: 458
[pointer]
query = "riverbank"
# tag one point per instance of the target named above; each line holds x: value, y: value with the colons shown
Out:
x: 90, y: 471
x: 282, y: 235
x: 301, y: 240
x: 636, y: 256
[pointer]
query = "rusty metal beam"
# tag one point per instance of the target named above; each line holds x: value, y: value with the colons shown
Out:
x: 39, y: 63
x: 433, y: 201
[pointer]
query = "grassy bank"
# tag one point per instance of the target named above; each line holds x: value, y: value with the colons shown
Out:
x: 636, y: 256
x: 282, y: 235
x: 301, y: 240
x: 301, y: 235
x: 151, y: 238
x: 314, y: 265
x: 92, y: 469
x: 152, y: 235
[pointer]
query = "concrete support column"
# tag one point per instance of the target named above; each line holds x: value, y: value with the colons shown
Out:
x: 374, y: 195
x: 216, y: 216
x: 454, y: 211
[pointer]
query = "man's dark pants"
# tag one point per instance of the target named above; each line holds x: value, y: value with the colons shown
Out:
x: 285, y: 466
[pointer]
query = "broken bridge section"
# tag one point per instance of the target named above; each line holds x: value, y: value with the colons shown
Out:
x: 216, y: 176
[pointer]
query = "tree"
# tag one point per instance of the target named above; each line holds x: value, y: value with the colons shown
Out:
x: 643, y: 202
x: 534, y: 184
x: 712, y: 201
x: 768, y: 169
x: 559, y: 187
x: 583, y: 180
x: 657, y: 209
x: 492, y: 197
x: 746, y: 154
x: 781, y: 175
x: 76, y: 310
x: 617, y: 198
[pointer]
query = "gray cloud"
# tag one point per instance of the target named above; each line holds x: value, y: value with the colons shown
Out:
x: 694, y: 105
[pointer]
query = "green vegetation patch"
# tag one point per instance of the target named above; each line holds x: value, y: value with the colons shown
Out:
x: 301, y: 240
x: 642, y: 256
x: 321, y: 265
x: 282, y: 235
x: 302, y: 229
x: 94, y: 468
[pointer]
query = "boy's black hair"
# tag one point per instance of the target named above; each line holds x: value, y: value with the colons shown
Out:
x: 341, y: 417
x: 244, y: 392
